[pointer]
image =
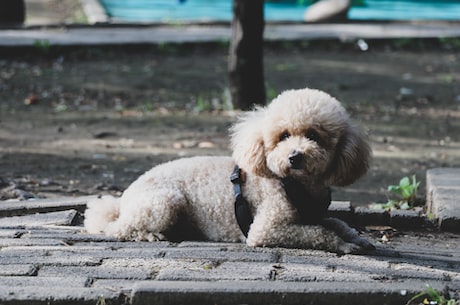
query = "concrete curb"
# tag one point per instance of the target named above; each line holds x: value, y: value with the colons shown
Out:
x: 364, y: 216
x: 231, y: 293
x: 113, y: 34
x: 443, y: 197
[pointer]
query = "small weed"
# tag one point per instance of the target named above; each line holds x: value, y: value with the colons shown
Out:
x: 61, y: 107
x: 148, y: 106
x: 451, y: 42
x: 432, y: 297
x: 102, y: 301
x: 271, y: 93
x: 202, y: 104
x: 42, y: 45
x: 447, y: 78
x: 406, y: 191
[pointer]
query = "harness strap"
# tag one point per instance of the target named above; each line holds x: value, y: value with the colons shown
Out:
x: 242, y: 211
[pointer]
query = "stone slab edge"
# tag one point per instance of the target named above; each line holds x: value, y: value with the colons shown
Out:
x: 222, y: 293
x: 267, y: 292
x: 114, y: 34
x: 20, y: 208
x: 68, y: 296
x: 443, y: 197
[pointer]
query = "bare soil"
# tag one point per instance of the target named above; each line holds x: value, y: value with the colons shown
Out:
x: 77, y: 122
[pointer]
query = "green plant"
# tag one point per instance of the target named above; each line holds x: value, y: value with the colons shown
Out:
x: 148, y: 106
x: 102, y: 301
x: 271, y: 92
x: 42, y: 45
x: 406, y: 191
x: 432, y: 297
x: 202, y: 104
x: 450, y: 42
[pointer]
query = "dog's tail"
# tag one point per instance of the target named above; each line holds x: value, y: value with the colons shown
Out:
x: 100, y: 213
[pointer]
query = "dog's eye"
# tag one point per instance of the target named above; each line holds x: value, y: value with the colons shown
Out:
x: 313, y: 135
x: 284, y: 136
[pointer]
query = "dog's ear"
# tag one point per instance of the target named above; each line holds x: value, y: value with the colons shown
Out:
x: 248, y: 144
x: 352, y: 157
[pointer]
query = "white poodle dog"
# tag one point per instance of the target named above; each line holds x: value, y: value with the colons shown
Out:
x: 274, y: 190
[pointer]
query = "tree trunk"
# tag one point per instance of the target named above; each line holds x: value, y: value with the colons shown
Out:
x: 246, y: 70
x: 12, y: 12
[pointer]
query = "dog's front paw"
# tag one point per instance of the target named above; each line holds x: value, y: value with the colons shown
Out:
x: 351, y: 248
x: 362, y: 242
x: 357, y: 245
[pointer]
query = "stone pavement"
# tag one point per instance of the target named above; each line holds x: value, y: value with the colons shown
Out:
x: 47, y: 258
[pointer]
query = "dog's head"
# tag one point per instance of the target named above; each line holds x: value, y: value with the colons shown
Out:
x: 305, y: 134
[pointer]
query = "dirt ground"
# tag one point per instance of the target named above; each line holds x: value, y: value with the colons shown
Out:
x: 90, y: 121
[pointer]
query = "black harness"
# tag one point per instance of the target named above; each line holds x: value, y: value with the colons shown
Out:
x: 310, y: 206
x: 242, y: 211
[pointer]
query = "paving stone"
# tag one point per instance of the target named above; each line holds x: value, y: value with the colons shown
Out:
x: 341, y: 209
x: 7, y: 242
x: 17, y: 269
x: 113, y: 243
x: 346, y: 264
x: 154, y: 265
x: 57, y: 295
x: 11, y: 233
x: 364, y: 216
x: 49, y: 259
x: 68, y: 237
x: 223, y: 246
x: 443, y: 193
x: 134, y: 253
x: 122, y: 285
x: 376, y: 268
x: 63, y: 218
x: 99, y: 272
x: 21, y: 208
x: 62, y: 254
x: 36, y: 281
x: 221, y: 254
x: 225, y: 271
x: 317, y: 273
x: 49, y: 255
x: 446, y: 208
x: 411, y: 270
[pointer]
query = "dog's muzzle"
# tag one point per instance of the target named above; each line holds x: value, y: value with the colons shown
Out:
x: 296, y: 159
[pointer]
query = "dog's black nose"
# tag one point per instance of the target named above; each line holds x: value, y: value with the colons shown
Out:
x: 296, y: 159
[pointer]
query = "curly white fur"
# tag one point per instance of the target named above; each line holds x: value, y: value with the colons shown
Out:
x: 196, y: 193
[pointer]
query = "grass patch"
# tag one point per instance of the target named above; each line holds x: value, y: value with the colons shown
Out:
x: 432, y: 297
